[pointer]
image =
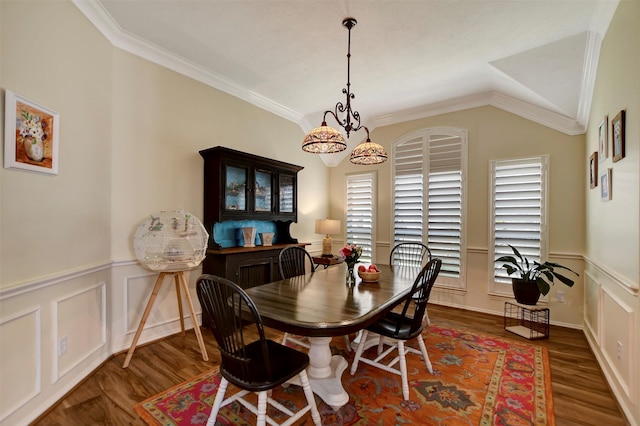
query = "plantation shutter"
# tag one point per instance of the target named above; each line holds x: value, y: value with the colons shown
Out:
x: 445, y: 202
x: 408, y: 192
x: 428, y: 198
x: 360, y: 213
x: 519, y: 210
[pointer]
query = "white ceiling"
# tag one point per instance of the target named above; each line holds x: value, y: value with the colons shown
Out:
x: 409, y: 58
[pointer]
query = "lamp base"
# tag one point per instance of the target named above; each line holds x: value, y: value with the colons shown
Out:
x: 326, y: 246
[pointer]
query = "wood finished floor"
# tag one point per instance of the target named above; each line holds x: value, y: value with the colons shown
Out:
x: 107, y: 397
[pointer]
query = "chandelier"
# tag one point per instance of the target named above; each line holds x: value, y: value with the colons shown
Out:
x: 326, y: 139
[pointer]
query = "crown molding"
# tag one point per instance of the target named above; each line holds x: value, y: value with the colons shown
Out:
x: 118, y: 37
x: 590, y: 69
x: 102, y: 20
x: 510, y: 104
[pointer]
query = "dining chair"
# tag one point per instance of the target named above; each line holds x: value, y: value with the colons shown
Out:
x: 253, y: 364
x: 400, y: 327
x: 292, y: 261
x: 410, y: 254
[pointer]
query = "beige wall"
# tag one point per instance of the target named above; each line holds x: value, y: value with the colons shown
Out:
x: 66, y: 68
x: 130, y: 132
x: 494, y: 134
x: 612, y: 249
x: 162, y: 119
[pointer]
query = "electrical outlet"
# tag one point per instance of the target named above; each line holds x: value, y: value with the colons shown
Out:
x: 619, y: 345
x: 560, y: 296
x: 62, y: 347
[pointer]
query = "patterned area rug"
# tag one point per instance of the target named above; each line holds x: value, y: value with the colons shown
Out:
x: 477, y: 380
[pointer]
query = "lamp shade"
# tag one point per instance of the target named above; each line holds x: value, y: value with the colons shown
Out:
x: 327, y: 226
x: 368, y: 153
x: 324, y: 140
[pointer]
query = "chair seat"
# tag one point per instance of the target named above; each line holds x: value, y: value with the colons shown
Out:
x: 387, y: 327
x: 285, y: 363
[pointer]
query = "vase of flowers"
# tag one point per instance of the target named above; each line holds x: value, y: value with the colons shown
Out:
x: 33, y: 134
x: 350, y: 254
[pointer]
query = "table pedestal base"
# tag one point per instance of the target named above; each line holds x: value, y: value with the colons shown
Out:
x: 325, y: 373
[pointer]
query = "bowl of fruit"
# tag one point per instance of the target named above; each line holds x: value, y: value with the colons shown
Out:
x: 369, y: 274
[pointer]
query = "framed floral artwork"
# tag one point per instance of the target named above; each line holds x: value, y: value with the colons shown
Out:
x: 603, y: 138
x: 31, y: 135
x: 617, y: 136
x: 593, y: 170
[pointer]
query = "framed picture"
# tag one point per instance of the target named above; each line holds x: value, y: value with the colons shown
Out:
x: 31, y: 135
x: 593, y: 170
x: 603, y: 138
x: 617, y: 135
x: 605, y: 185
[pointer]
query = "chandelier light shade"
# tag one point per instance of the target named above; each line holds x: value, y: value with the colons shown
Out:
x: 326, y: 139
x: 368, y: 153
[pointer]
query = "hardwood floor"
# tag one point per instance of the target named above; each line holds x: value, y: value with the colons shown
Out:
x: 107, y: 397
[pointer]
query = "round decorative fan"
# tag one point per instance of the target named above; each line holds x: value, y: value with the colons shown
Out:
x: 172, y: 240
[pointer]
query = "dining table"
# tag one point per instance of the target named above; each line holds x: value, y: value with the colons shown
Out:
x: 321, y: 305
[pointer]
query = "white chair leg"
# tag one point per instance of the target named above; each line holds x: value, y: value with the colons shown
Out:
x: 425, y: 354
x: 403, y: 370
x: 262, y: 409
x: 222, y: 388
x: 356, y: 358
x: 284, y: 339
x: 308, y: 393
x: 426, y: 318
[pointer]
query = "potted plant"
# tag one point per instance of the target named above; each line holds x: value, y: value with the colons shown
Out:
x: 533, y: 278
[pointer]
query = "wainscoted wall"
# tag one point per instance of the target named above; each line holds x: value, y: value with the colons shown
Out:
x: 610, y: 327
x: 132, y: 286
x: 74, y: 323
x: 56, y: 349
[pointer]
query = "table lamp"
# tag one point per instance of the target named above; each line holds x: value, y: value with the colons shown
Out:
x: 327, y: 227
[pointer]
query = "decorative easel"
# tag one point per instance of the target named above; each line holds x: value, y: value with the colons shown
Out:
x: 179, y: 280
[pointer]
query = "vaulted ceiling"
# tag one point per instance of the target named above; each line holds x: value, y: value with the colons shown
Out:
x: 409, y: 58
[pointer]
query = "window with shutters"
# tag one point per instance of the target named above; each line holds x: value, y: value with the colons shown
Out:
x: 518, y: 214
x: 361, y: 201
x: 429, y: 180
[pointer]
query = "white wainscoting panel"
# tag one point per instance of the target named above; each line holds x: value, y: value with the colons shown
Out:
x: 20, y: 364
x: 83, y: 337
x: 592, y: 304
x: 621, y: 358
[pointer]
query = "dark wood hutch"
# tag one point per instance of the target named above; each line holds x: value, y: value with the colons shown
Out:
x: 244, y: 187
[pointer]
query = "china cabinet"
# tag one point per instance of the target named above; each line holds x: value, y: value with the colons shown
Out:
x: 242, y: 186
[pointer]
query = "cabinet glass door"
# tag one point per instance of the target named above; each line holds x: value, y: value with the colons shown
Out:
x: 286, y: 189
x: 235, y: 189
x: 263, y: 200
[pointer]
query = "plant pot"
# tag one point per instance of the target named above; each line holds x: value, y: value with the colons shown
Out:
x: 526, y: 292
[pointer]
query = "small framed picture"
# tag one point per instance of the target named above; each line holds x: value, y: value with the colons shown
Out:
x: 31, y: 135
x: 617, y: 136
x: 603, y: 138
x: 605, y: 185
x: 593, y: 170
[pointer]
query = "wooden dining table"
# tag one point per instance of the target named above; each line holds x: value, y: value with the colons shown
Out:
x: 321, y: 305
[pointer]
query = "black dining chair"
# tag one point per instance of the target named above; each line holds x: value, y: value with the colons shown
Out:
x: 411, y: 254
x: 253, y: 364
x: 294, y: 261
x: 401, y: 327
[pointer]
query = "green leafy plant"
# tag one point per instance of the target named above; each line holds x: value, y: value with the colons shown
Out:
x: 542, y: 274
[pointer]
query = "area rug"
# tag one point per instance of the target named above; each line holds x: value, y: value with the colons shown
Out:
x: 477, y: 380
